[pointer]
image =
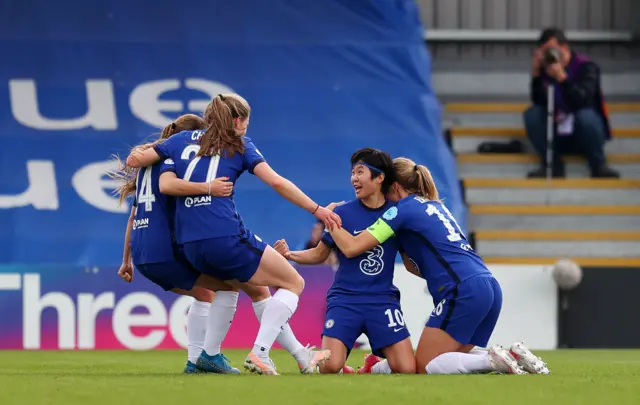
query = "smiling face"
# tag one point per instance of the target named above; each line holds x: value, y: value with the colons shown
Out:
x: 364, y: 184
x: 371, y: 173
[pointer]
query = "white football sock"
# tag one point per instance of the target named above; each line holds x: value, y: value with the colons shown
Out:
x: 459, y: 363
x: 286, y: 338
x: 381, y: 367
x: 196, y: 329
x: 478, y: 352
x: 223, y: 309
x: 276, y: 314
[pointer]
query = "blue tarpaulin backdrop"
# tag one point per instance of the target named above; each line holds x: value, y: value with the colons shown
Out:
x: 324, y: 78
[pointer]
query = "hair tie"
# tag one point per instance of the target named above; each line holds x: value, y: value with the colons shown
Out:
x: 173, y: 125
x: 221, y: 97
x: 415, y: 168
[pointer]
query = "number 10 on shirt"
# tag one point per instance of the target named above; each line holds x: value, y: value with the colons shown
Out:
x: 399, y: 319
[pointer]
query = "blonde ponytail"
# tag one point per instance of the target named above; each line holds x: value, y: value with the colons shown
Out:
x: 416, y: 179
x: 426, y: 186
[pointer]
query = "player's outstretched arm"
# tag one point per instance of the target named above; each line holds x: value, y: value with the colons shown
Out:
x: 126, y: 269
x: 294, y: 195
x: 170, y: 184
x: 316, y: 255
x: 142, y: 158
x: 353, y: 246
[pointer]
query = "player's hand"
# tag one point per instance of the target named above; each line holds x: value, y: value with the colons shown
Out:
x: 282, y: 247
x: 333, y: 205
x: 556, y: 70
x: 126, y: 272
x: 330, y: 219
x: 220, y: 187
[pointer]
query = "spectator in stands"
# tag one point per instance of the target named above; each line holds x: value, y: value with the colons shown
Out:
x: 581, y: 123
x: 316, y: 235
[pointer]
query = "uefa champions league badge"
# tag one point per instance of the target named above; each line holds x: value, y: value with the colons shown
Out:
x: 329, y: 324
x: 390, y: 213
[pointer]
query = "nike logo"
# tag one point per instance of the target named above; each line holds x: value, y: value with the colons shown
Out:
x: 397, y: 329
x: 357, y: 232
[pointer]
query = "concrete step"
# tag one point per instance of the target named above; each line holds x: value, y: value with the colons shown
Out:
x: 449, y: 81
x: 551, y: 192
x: 540, y: 218
x: 519, y: 107
x: 467, y: 139
x: 510, y: 114
x: 536, y: 243
x: 498, y: 165
x: 516, y: 132
x: 514, y: 120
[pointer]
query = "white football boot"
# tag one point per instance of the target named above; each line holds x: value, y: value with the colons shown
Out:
x: 527, y: 360
x: 313, y: 359
x: 262, y: 366
x: 503, y: 362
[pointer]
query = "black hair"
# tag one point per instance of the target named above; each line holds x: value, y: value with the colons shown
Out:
x: 380, y: 160
x: 552, y: 32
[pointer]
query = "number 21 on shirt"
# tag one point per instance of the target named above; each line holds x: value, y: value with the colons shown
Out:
x: 212, y: 170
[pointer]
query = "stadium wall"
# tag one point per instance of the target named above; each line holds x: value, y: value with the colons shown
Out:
x: 86, y: 308
x: 602, y: 311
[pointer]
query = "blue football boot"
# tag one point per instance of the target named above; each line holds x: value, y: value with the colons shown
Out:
x: 191, y: 368
x: 218, y: 364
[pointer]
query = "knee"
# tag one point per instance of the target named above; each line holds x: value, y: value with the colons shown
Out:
x: 333, y: 366
x: 404, y: 368
x: 402, y: 360
x: 297, y: 285
x: 587, y: 116
x: 589, y: 122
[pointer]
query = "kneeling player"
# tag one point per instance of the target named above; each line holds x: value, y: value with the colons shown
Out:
x: 363, y: 298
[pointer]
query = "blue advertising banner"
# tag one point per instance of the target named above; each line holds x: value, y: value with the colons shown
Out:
x: 324, y: 78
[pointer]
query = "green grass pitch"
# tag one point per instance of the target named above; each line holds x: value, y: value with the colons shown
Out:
x: 155, y: 377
